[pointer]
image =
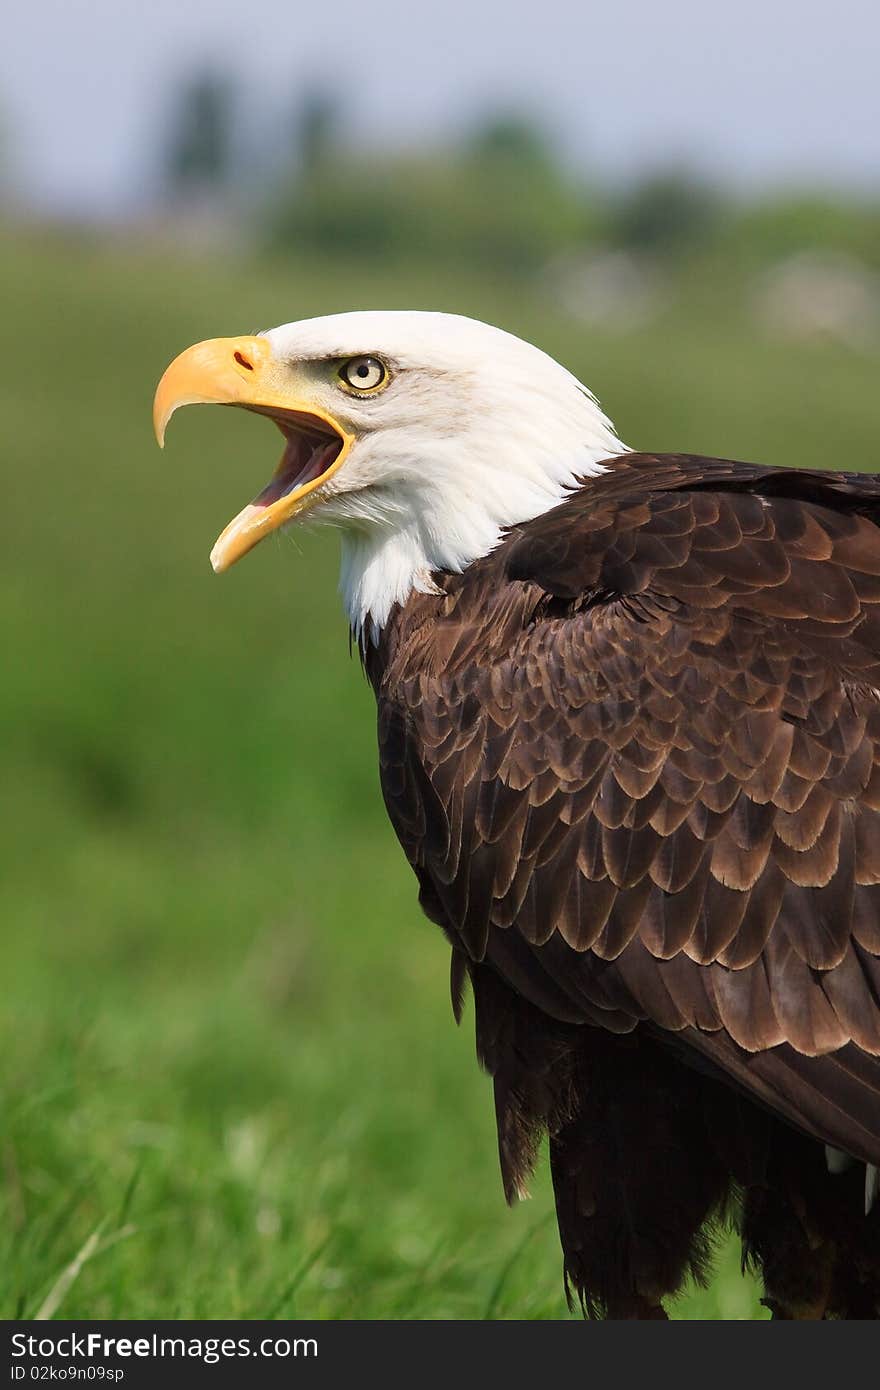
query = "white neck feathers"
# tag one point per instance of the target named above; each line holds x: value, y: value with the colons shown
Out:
x: 454, y: 499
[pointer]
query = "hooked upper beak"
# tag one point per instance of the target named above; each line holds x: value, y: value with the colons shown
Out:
x: 245, y: 372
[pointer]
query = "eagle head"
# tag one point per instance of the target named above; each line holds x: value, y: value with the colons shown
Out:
x: 421, y: 436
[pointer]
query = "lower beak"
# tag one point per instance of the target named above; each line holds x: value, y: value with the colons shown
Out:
x: 244, y: 372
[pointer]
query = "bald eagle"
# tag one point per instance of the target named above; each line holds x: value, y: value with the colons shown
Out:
x: 629, y: 740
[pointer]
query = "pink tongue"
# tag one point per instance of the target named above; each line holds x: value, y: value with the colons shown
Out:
x: 292, y: 478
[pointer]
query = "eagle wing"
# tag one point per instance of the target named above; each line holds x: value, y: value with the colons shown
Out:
x: 636, y: 767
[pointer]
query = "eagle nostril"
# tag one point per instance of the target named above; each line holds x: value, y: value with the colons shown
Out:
x: 243, y: 361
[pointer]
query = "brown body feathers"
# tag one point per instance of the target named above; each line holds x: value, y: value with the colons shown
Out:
x: 633, y: 756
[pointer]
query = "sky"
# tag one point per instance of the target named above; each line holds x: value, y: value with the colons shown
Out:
x: 754, y: 93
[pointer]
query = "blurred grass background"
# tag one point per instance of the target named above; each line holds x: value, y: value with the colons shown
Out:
x: 231, y: 1083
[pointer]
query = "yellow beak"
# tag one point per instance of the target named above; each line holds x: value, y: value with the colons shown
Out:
x: 244, y: 372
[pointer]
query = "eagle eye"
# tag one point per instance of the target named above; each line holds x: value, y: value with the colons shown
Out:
x: 363, y: 374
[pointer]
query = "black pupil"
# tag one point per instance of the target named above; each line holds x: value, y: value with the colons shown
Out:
x: 364, y: 370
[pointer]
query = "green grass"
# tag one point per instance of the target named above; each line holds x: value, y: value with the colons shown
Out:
x: 230, y: 1074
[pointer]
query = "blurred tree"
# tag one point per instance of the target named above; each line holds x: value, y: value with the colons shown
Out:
x: 199, y: 156
x: 776, y: 228
x: 511, y: 140
x: 666, y: 213
x: 501, y: 199
x: 316, y: 121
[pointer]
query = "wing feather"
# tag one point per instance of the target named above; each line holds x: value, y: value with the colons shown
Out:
x: 635, y: 762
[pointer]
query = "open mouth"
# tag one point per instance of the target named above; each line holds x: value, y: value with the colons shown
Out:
x: 243, y: 372
x: 310, y: 450
x: 313, y: 451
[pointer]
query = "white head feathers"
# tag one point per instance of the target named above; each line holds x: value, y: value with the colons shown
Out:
x: 476, y: 430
